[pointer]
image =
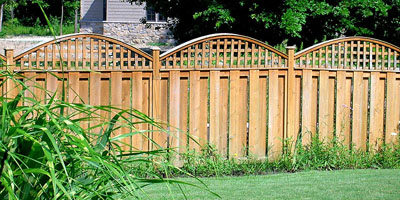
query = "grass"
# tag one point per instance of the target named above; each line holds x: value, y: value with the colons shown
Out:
x: 341, y: 184
x: 14, y: 28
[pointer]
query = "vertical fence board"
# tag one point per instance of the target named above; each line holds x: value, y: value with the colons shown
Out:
x: 314, y: 104
x: 145, y: 108
x: 326, y: 102
x: 73, y: 87
x: 280, y: 135
x: 138, y: 140
x: 51, y: 84
x: 30, y: 82
x: 174, y: 110
x: 224, y: 116
x: 297, y: 110
x: 194, y: 121
x: 84, y: 98
x: 323, y: 105
x: 105, y: 101
x: 184, y: 94
x: 234, y: 114
x: 215, y: 104
x: 257, y: 142
x: 203, y: 129
x: 39, y: 89
x: 274, y: 136
x: 116, y: 95
x: 308, y: 109
x: 95, y: 97
x: 343, y: 108
x: 160, y: 137
x: 331, y: 108
x: 126, y: 105
x: 359, y: 134
x: 243, y: 116
x: 392, y: 109
x: 263, y: 119
x: 376, y: 111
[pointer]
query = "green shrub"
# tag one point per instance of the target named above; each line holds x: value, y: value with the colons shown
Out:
x: 317, y: 155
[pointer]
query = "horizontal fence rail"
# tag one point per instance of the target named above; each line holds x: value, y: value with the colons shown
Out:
x: 231, y: 91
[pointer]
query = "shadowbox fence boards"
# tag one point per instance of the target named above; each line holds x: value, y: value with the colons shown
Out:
x: 234, y: 92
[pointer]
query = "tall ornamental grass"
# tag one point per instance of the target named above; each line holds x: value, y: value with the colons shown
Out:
x: 46, y: 153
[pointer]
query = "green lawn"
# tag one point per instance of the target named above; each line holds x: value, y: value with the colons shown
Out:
x: 344, y: 184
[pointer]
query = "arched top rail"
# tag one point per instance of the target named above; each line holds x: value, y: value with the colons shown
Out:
x: 83, y: 52
x: 361, y: 53
x: 2, y: 57
x: 223, y: 50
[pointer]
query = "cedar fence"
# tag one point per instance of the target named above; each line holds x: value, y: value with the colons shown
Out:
x: 231, y: 91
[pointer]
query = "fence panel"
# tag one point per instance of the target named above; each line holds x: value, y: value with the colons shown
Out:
x: 233, y: 92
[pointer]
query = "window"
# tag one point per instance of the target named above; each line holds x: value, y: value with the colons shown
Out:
x: 152, y: 16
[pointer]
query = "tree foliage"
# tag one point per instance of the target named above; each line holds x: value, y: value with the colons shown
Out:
x: 27, y: 12
x: 307, y: 21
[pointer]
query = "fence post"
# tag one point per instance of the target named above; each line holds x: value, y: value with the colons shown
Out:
x: 291, y: 103
x: 156, y: 90
x: 11, y: 91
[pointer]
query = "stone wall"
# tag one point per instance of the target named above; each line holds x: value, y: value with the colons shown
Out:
x: 136, y: 34
x: 91, y: 27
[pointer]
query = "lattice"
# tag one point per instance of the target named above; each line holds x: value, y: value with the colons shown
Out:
x: 83, y: 52
x: 223, y: 51
x: 350, y: 53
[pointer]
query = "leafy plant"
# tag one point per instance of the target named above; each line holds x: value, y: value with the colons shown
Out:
x: 274, y: 21
x: 45, y: 152
x: 317, y: 155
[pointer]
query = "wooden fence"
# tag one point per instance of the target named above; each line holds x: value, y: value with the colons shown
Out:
x: 232, y: 91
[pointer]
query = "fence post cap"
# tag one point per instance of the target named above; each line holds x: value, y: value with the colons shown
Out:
x: 291, y: 47
x: 8, y: 52
x: 155, y: 48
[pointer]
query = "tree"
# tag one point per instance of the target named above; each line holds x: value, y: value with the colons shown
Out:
x: 298, y: 21
x: 27, y: 11
x: 3, y: 3
x: 73, y: 5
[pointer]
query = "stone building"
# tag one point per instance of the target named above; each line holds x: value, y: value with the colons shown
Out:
x: 131, y: 23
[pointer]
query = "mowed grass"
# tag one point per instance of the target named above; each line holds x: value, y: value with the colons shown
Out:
x: 343, y: 184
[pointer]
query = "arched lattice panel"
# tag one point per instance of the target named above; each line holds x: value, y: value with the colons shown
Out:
x: 355, y: 53
x: 83, y: 52
x: 223, y: 51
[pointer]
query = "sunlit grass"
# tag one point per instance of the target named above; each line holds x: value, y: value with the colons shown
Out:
x: 343, y: 184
